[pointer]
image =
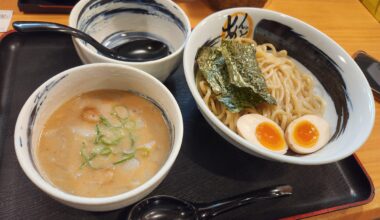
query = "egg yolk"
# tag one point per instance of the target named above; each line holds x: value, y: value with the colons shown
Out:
x: 269, y: 136
x: 305, y: 134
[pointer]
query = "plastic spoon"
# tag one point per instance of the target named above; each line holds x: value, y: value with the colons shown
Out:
x: 167, y: 207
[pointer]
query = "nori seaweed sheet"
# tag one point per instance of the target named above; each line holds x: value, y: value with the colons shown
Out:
x: 234, y: 75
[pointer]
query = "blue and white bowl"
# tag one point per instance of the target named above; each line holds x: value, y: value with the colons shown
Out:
x: 62, y: 87
x: 159, y: 19
x: 350, y: 105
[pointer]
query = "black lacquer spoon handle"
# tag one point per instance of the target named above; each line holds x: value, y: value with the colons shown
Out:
x: 206, y: 211
x: 36, y: 26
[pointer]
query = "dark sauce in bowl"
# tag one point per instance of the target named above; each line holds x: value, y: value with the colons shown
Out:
x: 137, y: 46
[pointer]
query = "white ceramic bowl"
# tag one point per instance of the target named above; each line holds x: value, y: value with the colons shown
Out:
x: 161, y: 19
x: 60, y: 88
x: 350, y: 105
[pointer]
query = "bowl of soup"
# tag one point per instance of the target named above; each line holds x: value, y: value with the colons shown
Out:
x: 278, y: 88
x: 99, y: 137
x: 132, y: 25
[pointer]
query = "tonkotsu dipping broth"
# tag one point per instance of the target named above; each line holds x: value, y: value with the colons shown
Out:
x: 103, y: 143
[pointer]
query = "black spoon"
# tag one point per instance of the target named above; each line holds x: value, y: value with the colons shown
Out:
x: 167, y: 207
x: 138, y: 50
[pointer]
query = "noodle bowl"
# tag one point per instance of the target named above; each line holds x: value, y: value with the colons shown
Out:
x: 292, y: 89
x: 349, y: 105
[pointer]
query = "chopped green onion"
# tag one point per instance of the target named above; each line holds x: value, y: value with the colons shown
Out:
x: 104, y: 121
x: 98, y: 135
x: 130, y: 124
x: 125, y: 158
x: 102, y: 150
x: 113, y: 136
x: 109, y: 135
x: 117, y: 113
x: 107, y: 141
x: 106, y: 151
x: 87, y: 159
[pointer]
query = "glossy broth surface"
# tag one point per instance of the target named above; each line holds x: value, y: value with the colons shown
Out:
x: 103, y: 143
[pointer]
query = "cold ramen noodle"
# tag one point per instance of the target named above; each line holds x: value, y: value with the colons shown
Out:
x: 259, y: 93
x: 103, y: 143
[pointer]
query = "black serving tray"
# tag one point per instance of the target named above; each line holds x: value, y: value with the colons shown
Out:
x: 207, y: 167
x: 46, y: 6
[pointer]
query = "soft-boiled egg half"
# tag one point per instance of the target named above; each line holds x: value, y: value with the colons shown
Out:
x: 263, y: 132
x: 307, y: 134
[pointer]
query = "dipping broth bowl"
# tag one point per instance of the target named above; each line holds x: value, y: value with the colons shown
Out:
x: 114, y: 23
x: 70, y: 83
x: 350, y: 109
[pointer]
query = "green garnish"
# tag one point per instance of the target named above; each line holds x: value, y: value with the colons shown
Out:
x: 118, y: 112
x: 125, y: 158
x: 104, y: 121
x: 98, y: 135
x: 87, y: 158
x: 109, y: 136
x: 102, y: 150
x: 106, y: 151
x: 130, y: 124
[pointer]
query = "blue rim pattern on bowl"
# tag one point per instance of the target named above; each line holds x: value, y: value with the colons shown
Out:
x: 149, y: 7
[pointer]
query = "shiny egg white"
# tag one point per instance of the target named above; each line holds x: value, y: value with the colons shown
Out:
x: 247, y: 127
x: 321, y: 126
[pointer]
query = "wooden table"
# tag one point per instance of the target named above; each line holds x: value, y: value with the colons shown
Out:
x: 346, y: 21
